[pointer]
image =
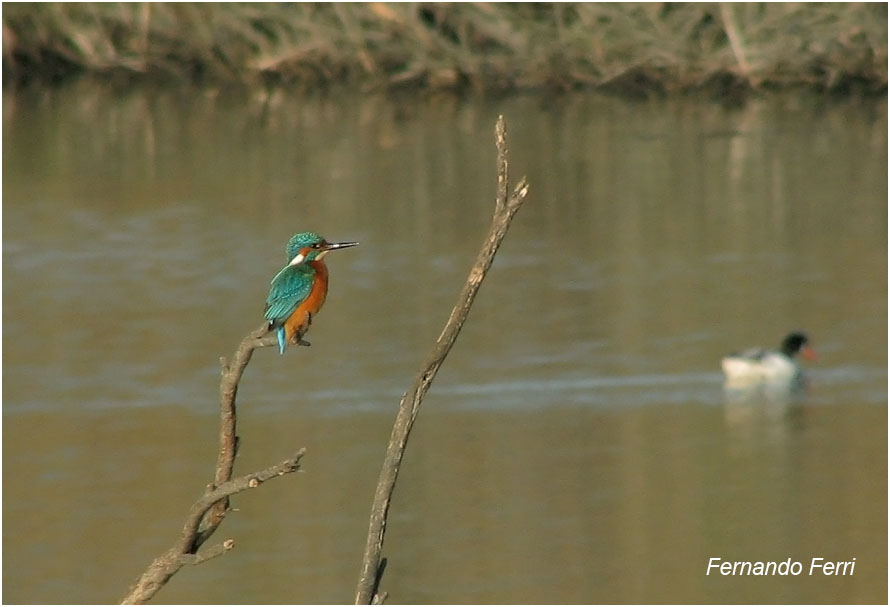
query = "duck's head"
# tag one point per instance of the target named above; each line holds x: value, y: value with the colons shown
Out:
x: 798, y: 343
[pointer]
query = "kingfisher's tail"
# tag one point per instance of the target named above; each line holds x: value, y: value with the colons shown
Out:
x: 282, y: 340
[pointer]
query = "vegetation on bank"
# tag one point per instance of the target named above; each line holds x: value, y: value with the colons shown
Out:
x: 625, y: 47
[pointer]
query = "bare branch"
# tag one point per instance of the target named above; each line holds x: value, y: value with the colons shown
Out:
x: 207, y: 513
x: 210, y: 553
x: 237, y: 485
x: 166, y: 565
x: 228, y: 439
x: 506, y: 205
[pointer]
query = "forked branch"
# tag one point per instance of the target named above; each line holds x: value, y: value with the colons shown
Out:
x: 208, y: 512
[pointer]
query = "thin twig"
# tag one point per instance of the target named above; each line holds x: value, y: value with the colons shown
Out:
x: 207, y: 513
x: 506, y: 205
x: 211, y: 553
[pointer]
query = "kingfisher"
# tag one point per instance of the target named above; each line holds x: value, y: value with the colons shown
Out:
x: 298, y: 291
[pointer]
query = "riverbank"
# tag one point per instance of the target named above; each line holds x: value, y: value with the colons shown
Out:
x: 633, y: 49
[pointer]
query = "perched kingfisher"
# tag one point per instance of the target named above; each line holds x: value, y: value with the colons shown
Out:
x: 298, y: 291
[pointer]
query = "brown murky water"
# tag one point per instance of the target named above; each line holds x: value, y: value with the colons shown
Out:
x: 577, y: 445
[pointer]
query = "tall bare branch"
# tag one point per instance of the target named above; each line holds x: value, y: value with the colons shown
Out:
x: 506, y: 205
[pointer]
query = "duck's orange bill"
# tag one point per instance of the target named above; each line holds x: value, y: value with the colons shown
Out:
x: 808, y: 353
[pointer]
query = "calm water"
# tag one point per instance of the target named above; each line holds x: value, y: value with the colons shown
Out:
x: 577, y: 445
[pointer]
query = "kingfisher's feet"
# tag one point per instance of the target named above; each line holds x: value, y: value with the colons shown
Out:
x: 298, y: 340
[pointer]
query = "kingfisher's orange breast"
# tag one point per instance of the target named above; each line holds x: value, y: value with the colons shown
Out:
x: 297, y: 322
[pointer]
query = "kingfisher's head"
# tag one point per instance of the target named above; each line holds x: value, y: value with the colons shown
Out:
x: 309, y: 246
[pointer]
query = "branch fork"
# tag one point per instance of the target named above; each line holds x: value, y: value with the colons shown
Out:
x: 208, y: 512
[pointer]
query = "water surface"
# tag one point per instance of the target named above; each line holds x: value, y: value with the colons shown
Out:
x: 577, y: 445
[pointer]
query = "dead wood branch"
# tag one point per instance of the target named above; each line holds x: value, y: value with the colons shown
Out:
x: 506, y: 205
x: 208, y: 512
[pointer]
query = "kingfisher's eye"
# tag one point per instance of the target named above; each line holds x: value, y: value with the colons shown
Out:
x: 316, y: 245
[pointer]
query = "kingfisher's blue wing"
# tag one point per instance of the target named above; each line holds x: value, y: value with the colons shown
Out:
x: 289, y: 289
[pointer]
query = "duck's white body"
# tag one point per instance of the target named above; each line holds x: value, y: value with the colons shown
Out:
x: 759, y: 366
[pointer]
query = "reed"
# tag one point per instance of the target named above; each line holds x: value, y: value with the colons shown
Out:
x: 626, y: 47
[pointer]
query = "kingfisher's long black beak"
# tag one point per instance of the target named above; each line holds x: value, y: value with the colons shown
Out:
x: 330, y: 246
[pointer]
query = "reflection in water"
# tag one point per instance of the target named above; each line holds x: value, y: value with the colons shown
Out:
x: 576, y: 446
x: 773, y: 404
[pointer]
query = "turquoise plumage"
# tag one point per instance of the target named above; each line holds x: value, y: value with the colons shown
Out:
x: 299, y: 289
x: 290, y: 287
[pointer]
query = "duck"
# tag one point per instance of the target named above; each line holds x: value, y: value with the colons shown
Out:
x: 758, y: 366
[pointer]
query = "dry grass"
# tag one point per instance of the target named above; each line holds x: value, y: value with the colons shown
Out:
x: 626, y: 47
